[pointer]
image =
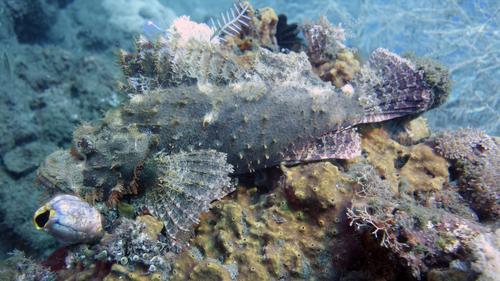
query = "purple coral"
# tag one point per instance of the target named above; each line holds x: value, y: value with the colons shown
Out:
x: 478, y: 155
x: 462, y: 143
x: 486, y: 180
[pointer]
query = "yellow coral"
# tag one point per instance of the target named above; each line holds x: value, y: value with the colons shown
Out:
x: 418, y: 164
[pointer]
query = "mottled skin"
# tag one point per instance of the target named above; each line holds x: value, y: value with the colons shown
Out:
x: 256, y: 124
x: 187, y: 94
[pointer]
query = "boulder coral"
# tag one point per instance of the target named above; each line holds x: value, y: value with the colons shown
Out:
x: 475, y: 157
x: 418, y: 165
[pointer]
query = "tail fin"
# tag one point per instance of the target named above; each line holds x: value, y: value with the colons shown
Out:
x: 391, y: 86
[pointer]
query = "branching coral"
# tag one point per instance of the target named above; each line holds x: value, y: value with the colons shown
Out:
x: 364, y: 219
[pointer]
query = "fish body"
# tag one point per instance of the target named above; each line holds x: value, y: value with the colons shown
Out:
x: 196, y: 112
x: 256, y: 124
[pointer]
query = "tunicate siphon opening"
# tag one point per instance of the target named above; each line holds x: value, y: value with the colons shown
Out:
x: 42, y: 219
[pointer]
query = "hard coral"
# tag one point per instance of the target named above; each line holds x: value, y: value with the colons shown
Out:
x: 330, y: 59
x: 463, y: 143
x: 417, y: 165
x: 476, y: 157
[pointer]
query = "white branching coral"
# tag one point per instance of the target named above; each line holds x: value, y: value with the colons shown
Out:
x: 362, y: 218
x: 183, y: 29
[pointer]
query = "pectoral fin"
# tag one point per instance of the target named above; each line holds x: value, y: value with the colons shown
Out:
x: 187, y: 183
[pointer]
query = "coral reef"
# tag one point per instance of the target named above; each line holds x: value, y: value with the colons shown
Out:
x: 418, y: 165
x: 422, y: 237
x: 120, y: 272
x: 328, y: 220
x: 330, y: 58
x: 475, y: 157
x: 205, y: 106
x: 136, y: 243
x: 339, y: 71
x: 270, y: 239
x: 303, y: 226
x: 463, y: 143
x: 187, y: 92
x: 18, y: 267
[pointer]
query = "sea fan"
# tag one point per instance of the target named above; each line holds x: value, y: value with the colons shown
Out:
x: 233, y: 22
